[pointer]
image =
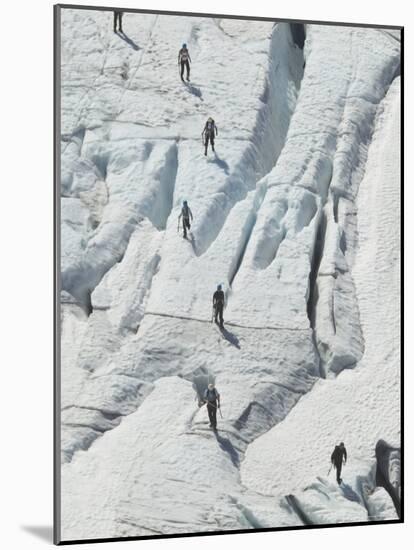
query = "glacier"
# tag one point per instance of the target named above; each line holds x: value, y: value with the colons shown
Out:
x: 296, y: 215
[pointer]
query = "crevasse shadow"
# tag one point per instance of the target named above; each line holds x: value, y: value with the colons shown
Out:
x: 230, y: 337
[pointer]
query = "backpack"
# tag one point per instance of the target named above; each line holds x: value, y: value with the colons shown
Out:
x: 211, y: 393
x: 209, y: 127
x: 219, y: 297
x: 337, y: 455
x: 184, y: 211
x: 184, y: 54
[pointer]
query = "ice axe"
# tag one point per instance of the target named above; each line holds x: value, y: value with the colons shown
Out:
x: 329, y: 470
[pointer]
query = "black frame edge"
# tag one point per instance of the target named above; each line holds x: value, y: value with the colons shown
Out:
x: 224, y: 16
x: 402, y: 177
x: 56, y: 278
x: 234, y: 532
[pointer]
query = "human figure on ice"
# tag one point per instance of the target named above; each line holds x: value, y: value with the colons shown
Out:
x: 184, y: 60
x: 186, y: 214
x: 212, y: 398
x: 338, y: 458
x: 118, y: 19
x: 218, y: 305
x: 208, y: 134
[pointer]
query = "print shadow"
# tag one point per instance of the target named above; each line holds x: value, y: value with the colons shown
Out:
x: 43, y: 532
x: 128, y: 40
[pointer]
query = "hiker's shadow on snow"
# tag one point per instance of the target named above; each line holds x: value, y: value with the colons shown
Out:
x: 128, y: 40
x: 190, y: 238
x: 220, y: 163
x: 226, y: 446
x: 194, y: 91
x: 349, y: 493
x: 230, y: 337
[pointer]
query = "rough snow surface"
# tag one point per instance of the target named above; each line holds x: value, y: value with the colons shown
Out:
x: 295, y: 215
x: 349, y: 407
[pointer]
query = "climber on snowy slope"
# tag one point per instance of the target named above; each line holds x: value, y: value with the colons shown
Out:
x: 212, y: 398
x: 184, y: 60
x: 186, y: 214
x: 118, y: 20
x: 218, y: 305
x: 209, y: 133
x: 338, y: 458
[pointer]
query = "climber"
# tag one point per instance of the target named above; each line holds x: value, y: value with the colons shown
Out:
x: 186, y: 214
x: 212, y: 398
x: 338, y: 458
x: 209, y: 132
x: 184, y: 59
x: 218, y: 305
x: 118, y: 19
